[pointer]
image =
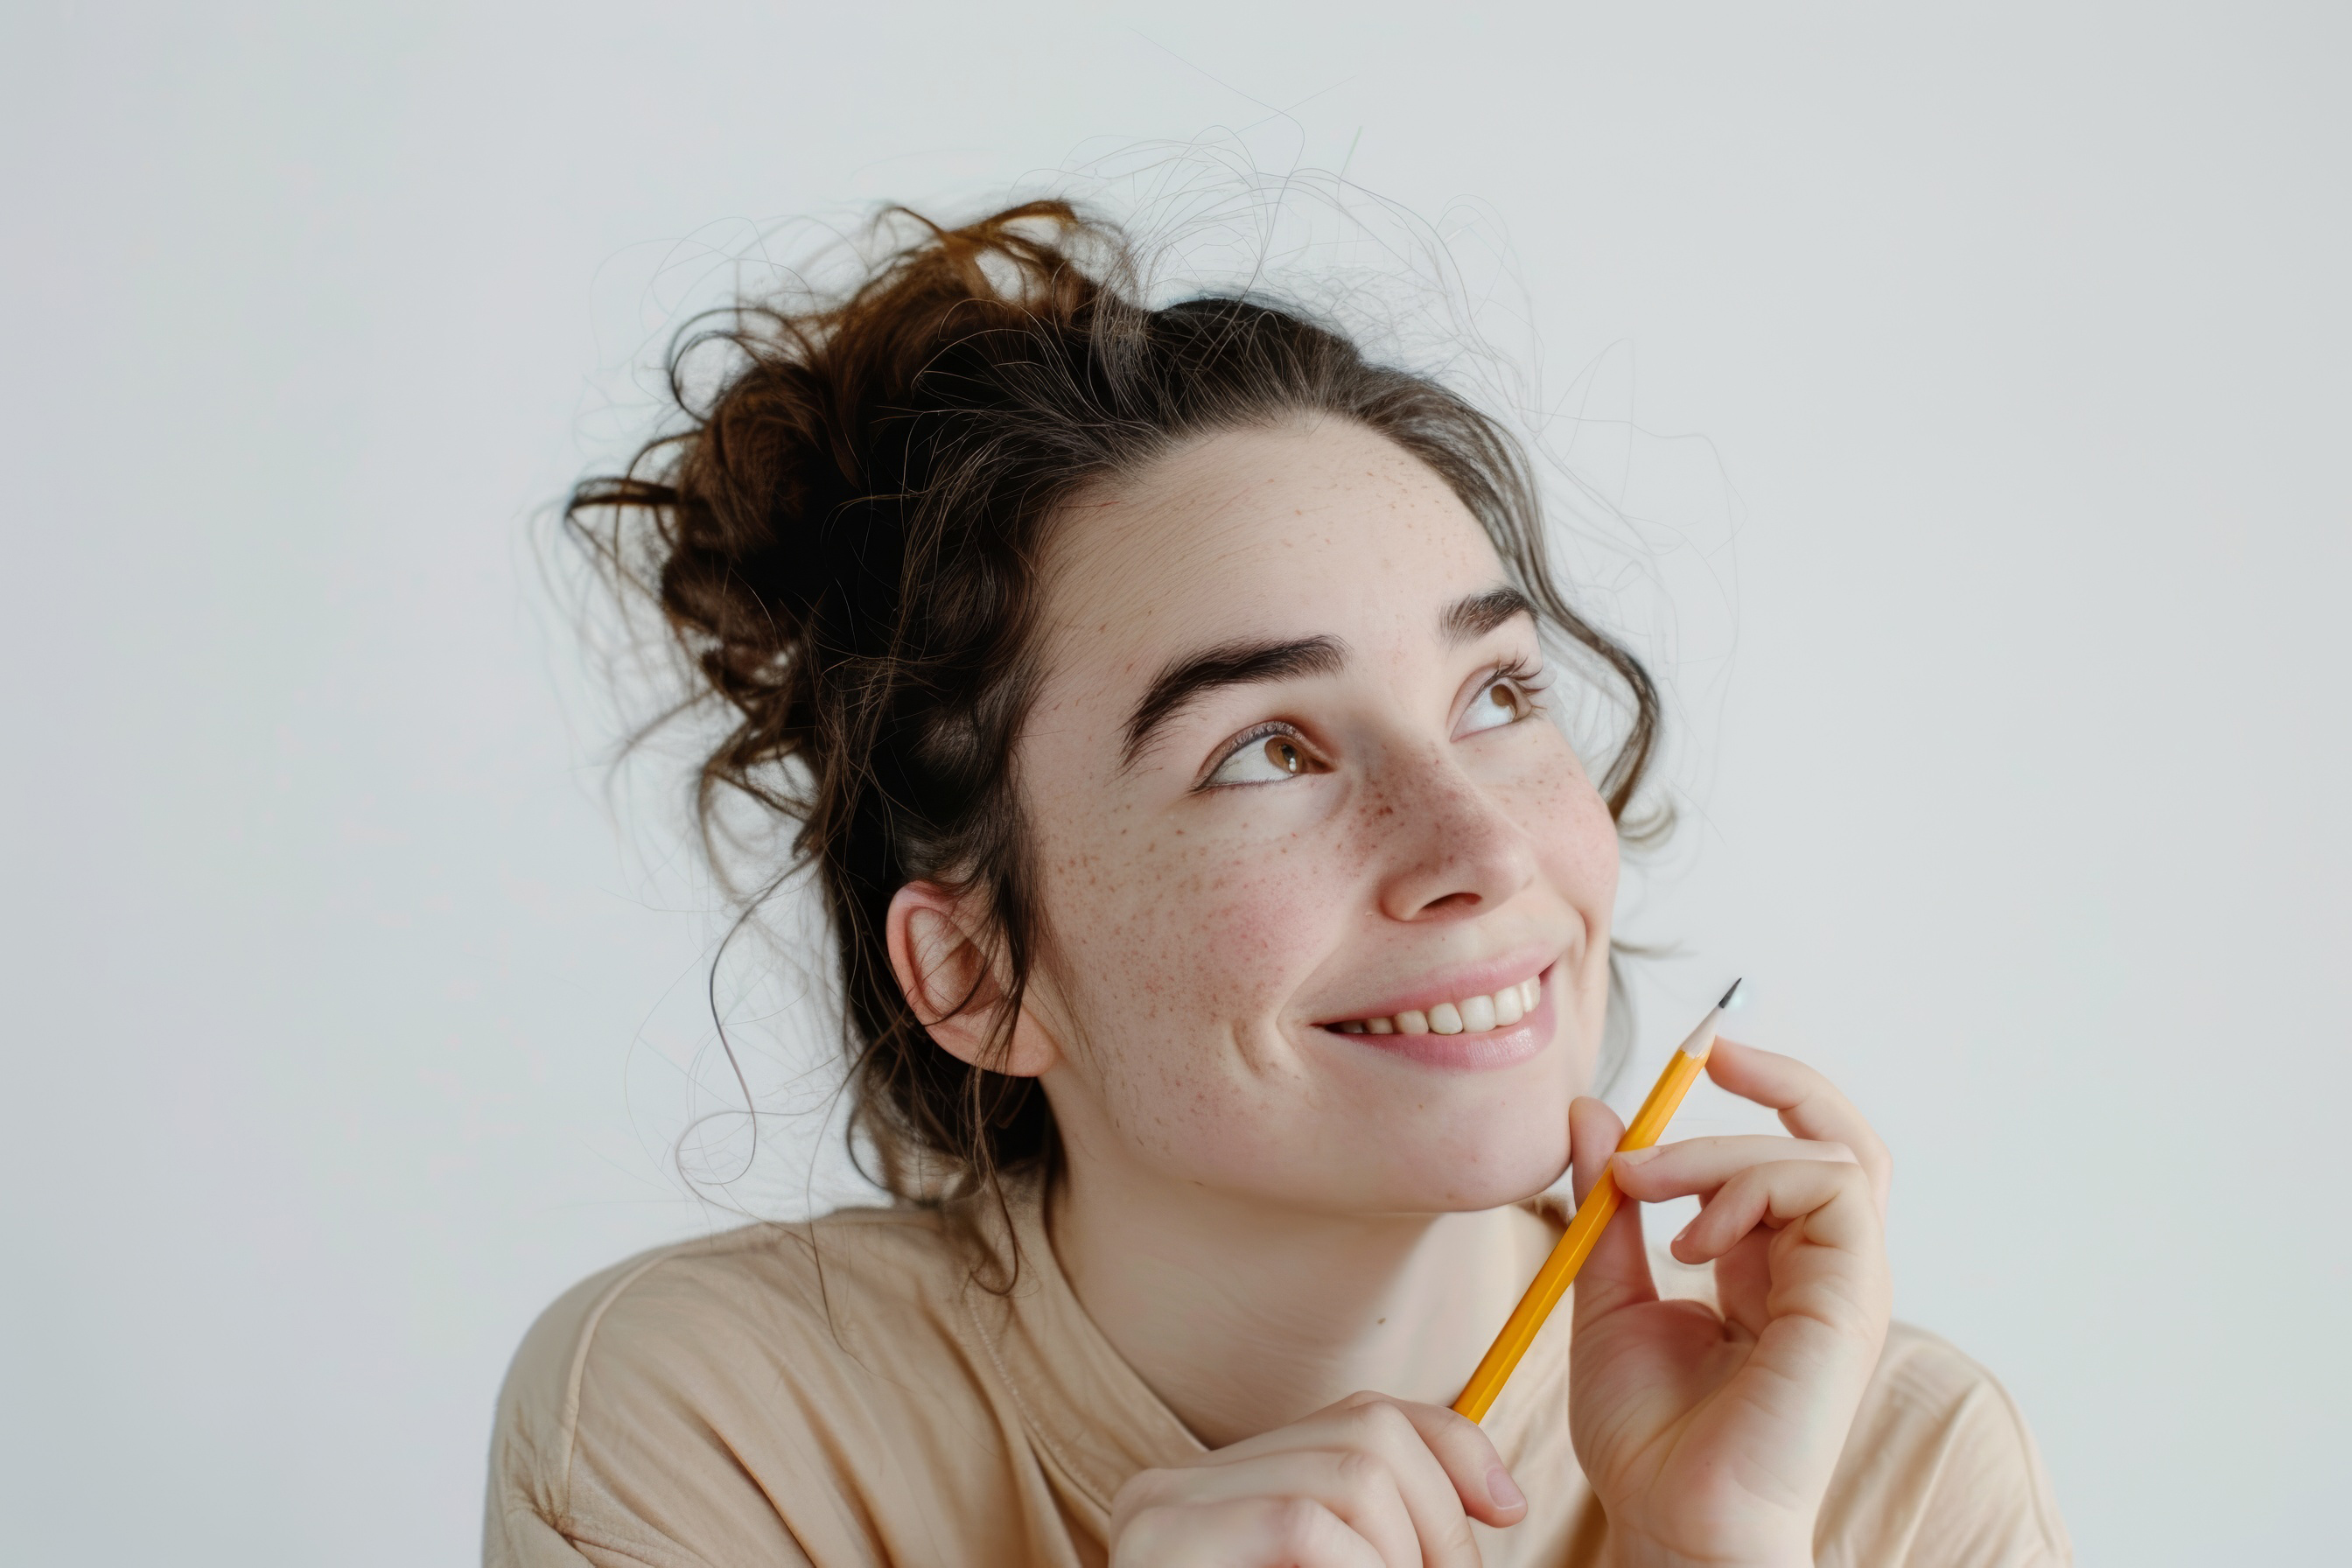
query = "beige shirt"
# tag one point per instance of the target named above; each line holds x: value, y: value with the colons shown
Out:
x: 840, y: 1393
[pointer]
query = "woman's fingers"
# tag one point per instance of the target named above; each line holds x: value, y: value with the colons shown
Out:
x: 1386, y: 1446
x: 1350, y: 1485
x: 1747, y: 1181
x: 1833, y: 1200
x: 1468, y: 1459
x: 1247, y: 1532
x: 1398, y: 1476
x: 1698, y: 1166
x: 1810, y: 1105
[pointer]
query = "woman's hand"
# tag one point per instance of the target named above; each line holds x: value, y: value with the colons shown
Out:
x: 1370, y: 1482
x: 1710, y: 1437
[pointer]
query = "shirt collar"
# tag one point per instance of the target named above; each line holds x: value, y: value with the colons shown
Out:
x: 1096, y: 1422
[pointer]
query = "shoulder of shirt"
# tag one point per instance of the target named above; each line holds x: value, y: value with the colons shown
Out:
x: 1937, y: 1428
x: 670, y: 1313
x: 1926, y: 1375
x: 1926, y: 1369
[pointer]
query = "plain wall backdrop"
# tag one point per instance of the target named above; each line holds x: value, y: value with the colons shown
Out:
x: 345, y: 1026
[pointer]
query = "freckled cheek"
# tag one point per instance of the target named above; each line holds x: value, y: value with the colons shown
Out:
x: 1575, y: 840
x: 1259, y: 933
x: 1206, y: 932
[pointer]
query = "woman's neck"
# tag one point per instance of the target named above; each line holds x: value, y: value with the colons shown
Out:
x: 1243, y: 1316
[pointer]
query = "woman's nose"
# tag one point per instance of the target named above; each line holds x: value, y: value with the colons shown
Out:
x: 1447, y: 846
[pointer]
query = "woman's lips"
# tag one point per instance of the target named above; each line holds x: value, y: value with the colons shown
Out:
x: 1469, y: 1015
x: 1462, y: 1047
x: 1453, y: 985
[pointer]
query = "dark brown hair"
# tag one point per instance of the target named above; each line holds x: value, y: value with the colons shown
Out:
x: 844, y: 537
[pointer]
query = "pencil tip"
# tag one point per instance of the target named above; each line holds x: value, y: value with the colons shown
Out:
x: 1729, y: 996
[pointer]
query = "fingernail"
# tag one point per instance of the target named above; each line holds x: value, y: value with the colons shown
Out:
x: 1503, y: 1491
x: 1638, y: 1156
x: 1684, y: 1234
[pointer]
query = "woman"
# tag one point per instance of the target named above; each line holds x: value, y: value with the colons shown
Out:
x: 1167, y: 703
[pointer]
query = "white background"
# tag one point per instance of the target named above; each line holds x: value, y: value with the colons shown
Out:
x: 344, y: 1027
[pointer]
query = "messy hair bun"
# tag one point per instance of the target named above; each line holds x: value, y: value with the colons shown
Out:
x: 844, y: 538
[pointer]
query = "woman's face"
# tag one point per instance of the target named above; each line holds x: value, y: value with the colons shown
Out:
x: 1292, y: 776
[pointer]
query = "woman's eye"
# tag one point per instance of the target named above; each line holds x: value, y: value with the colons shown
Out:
x: 1268, y: 759
x: 1502, y: 703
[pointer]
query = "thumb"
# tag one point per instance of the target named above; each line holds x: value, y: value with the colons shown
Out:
x: 1617, y: 1274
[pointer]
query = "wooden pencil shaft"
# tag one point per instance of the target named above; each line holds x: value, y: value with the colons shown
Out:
x: 1550, y: 1283
x: 1576, y: 1244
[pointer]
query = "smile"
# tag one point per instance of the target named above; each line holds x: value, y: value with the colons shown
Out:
x: 1471, y: 1014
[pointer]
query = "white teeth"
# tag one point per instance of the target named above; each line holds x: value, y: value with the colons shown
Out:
x: 1472, y: 1015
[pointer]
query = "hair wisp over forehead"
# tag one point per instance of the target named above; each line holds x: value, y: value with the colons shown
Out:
x: 844, y: 535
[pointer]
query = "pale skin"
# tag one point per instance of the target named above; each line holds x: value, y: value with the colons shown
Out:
x: 1270, y: 1217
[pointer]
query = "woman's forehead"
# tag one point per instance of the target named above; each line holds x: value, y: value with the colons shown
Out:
x: 1323, y: 529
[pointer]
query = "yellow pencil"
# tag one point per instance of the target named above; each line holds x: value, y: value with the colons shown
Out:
x: 1592, y: 1217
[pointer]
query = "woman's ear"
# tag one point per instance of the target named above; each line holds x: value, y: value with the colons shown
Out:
x: 943, y: 969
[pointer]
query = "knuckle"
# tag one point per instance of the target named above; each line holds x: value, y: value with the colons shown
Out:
x: 1297, y: 1524
x: 1463, y: 1439
x: 1140, y: 1505
x: 1451, y: 1424
x: 1142, y: 1531
x: 1382, y: 1423
x: 1170, y: 1533
x: 1146, y: 1490
x: 1361, y: 1474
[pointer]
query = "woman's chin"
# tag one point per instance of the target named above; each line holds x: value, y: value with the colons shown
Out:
x: 1505, y: 1156
x: 1504, y: 1189
x: 1434, y: 1182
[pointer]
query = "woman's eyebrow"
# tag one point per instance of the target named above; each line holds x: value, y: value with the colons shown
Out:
x: 1469, y: 618
x: 1227, y: 663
